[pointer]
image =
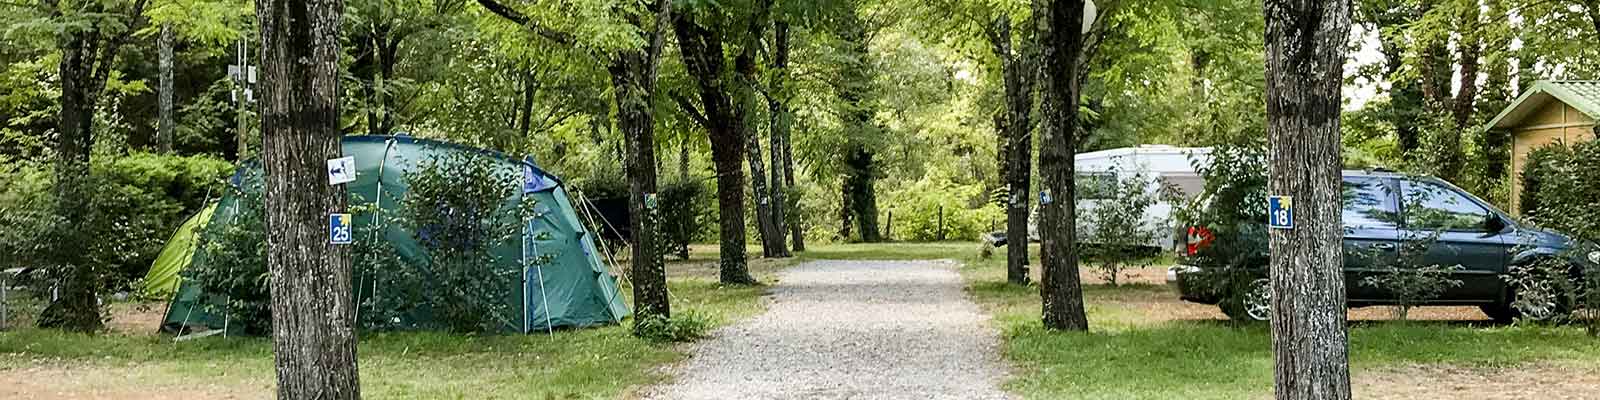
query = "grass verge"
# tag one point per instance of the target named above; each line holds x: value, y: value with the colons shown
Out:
x: 595, y: 363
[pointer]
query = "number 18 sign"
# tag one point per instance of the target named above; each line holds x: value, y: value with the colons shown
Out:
x: 1280, y: 212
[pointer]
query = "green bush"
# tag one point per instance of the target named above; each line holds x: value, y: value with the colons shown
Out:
x: 459, y: 208
x: 1117, y: 225
x: 1232, y: 207
x: 1408, y: 278
x: 917, y: 206
x: 136, y: 202
x: 1560, y: 185
x: 684, y: 327
x: 684, y: 214
x: 230, y: 266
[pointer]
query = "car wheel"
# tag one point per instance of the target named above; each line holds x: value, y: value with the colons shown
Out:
x: 1253, y: 304
x: 1548, y: 308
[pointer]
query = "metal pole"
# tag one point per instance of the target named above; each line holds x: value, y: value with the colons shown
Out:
x: 527, y: 227
x: 4, y: 316
x: 544, y: 297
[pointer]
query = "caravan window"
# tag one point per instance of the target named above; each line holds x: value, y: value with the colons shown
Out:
x: 1096, y: 185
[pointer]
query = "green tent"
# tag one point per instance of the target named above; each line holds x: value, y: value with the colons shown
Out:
x: 162, y: 280
x: 574, y: 289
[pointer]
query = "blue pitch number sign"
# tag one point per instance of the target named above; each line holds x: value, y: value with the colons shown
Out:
x: 339, y: 229
x: 1280, y: 212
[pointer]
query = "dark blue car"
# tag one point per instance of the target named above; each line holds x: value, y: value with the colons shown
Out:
x: 1383, y: 211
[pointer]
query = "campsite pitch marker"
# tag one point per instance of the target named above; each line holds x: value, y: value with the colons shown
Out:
x: 339, y: 230
x: 1280, y: 212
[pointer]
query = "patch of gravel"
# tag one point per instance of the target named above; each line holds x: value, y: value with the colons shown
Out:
x: 851, y: 330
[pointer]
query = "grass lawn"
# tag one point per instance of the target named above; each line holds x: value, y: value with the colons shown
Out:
x: 1144, y: 344
x: 598, y: 363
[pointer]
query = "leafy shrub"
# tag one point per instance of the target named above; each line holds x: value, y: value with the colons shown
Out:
x: 1231, y: 207
x: 459, y: 207
x: 1409, y: 279
x: 684, y: 327
x: 916, y: 210
x: 230, y: 265
x: 1116, y: 229
x: 135, y: 201
x: 1560, y: 185
x: 684, y: 212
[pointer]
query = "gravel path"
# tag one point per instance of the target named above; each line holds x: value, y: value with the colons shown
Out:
x: 851, y: 330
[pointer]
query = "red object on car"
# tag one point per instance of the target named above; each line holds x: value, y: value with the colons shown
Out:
x: 1197, y: 239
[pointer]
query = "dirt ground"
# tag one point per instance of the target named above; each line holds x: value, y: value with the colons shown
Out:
x: 1427, y: 382
x: 1164, y: 305
x: 55, y: 382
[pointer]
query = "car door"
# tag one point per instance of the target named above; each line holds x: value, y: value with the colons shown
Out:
x: 1455, y: 223
x: 1371, y: 221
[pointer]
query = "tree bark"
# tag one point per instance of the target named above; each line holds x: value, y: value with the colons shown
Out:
x: 1060, y: 291
x: 313, y: 317
x: 633, y: 77
x: 1306, y: 46
x: 1016, y: 132
x: 702, y: 52
x: 164, y: 125
x: 781, y: 121
x: 744, y: 65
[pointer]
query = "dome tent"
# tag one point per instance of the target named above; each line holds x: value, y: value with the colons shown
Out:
x: 573, y: 288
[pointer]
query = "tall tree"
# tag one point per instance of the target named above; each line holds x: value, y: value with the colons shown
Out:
x: 744, y: 65
x: 1018, y: 72
x: 90, y: 35
x: 633, y: 75
x: 782, y: 123
x: 724, y: 98
x: 1060, y: 290
x: 1306, y: 46
x: 313, y: 315
x: 633, y: 80
x: 855, y: 87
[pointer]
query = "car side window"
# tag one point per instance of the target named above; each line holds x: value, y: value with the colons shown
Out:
x: 1431, y: 206
x: 1368, y: 204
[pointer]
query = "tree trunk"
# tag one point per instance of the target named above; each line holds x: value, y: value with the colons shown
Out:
x: 313, y: 317
x: 164, y: 125
x: 386, y: 62
x: 860, y: 182
x: 744, y: 110
x: 76, y: 309
x: 1306, y: 46
x: 87, y: 58
x: 1060, y: 291
x: 1017, y: 73
x: 633, y: 77
x: 781, y: 121
x: 1434, y: 64
x: 525, y: 107
x: 1496, y: 94
x: 702, y: 53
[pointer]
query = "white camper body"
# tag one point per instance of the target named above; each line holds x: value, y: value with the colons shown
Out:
x: 1163, y: 165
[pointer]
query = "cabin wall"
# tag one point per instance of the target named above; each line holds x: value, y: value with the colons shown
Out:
x: 1555, y: 122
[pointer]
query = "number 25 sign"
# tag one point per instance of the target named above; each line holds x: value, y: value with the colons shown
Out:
x: 1280, y: 212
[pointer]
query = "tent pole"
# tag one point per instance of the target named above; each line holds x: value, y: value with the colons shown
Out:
x: 378, y: 202
x: 545, y: 298
x: 584, y: 206
x: 527, y: 228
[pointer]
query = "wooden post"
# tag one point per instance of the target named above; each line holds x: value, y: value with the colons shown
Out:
x: 940, y: 235
x: 888, y: 227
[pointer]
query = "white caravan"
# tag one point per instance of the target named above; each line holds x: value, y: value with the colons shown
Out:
x: 1162, y: 164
